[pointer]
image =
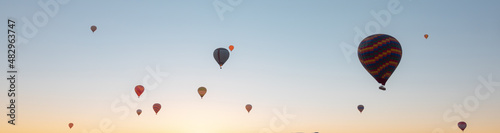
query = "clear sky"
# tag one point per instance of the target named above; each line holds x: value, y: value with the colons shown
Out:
x: 291, y: 61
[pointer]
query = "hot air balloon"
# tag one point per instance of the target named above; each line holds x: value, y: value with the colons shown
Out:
x: 426, y: 36
x: 380, y: 55
x: 361, y: 108
x: 231, y: 47
x: 93, y: 28
x: 70, y: 125
x: 139, y: 89
x: 248, y: 107
x: 462, y: 125
x: 156, y: 107
x: 202, y: 91
x: 139, y: 111
x: 221, y: 55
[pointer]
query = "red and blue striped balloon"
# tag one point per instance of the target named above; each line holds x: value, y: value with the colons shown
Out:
x: 380, y: 55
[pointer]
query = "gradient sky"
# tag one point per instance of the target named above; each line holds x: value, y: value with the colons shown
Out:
x: 287, y: 54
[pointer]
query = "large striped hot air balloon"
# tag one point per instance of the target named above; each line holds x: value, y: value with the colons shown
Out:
x: 221, y: 55
x: 380, y: 55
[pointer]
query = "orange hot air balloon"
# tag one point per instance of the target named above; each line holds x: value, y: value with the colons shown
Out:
x: 139, y: 89
x: 202, y: 91
x: 139, y: 111
x: 231, y: 47
x: 248, y: 107
x: 70, y: 125
x: 426, y: 36
x: 93, y: 28
x: 156, y: 107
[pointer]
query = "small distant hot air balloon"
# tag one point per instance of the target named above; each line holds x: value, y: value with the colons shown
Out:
x: 426, y: 36
x: 462, y: 125
x: 221, y: 55
x: 202, y: 91
x: 70, y: 125
x: 380, y: 55
x: 156, y: 107
x: 139, y: 89
x: 361, y: 108
x: 231, y: 47
x: 248, y: 107
x: 93, y: 28
x: 139, y: 111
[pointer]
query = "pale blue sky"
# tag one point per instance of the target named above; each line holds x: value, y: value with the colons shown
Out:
x: 287, y: 53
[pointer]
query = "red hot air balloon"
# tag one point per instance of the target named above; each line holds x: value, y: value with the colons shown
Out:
x: 361, y: 108
x: 221, y: 55
x: 462, y: 125
x: 156, y: 107
x: 426, y: 36
x: 380, y: 54
x: 139, y: 89
x: 248, y: 107
x: 70, y: 125
x: 139, y: 112
x: 202, y: 91
x: 231, y: 47
x: 93, y: 28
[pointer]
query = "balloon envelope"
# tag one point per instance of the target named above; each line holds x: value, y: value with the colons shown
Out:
x: 70, y: 125
x: 156, y: 107
x: 202, y: 91
x: 93, y: 28
x: 139, y: 111
x: 426, y: 36
x: 380, y: 54
x: 221, y: 55
x: 139, y: 89
x: 248, y: 107
x: 231, y: 47
x: 361, y: 108
x: 462, y: 125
